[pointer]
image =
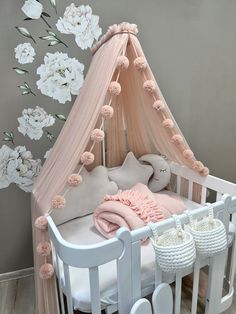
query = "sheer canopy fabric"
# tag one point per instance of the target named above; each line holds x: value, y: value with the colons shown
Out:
x: 135, y: 127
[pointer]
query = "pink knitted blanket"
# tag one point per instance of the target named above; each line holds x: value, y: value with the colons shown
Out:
x: 133, y: 209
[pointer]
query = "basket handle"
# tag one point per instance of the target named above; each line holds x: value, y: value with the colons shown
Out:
x: 210, y: 213
x: 154, y: 230
x: 190, y: 217
x: 178, y: 226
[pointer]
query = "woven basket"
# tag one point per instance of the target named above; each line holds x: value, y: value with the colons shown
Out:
x: 209, y: 234
x: 174, y: 249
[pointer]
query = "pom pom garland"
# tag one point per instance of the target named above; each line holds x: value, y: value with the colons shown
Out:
x: 168, y: 123
x: 74, y: 179
x: 188, y: 154
x: 44, y: 248
x: 197, y: 165
x: 114, y: 88
x: 87, y: 158
x: 107, y: 112
x: 122, y: 63
x: 204, y: 172
x: 149, y: 86
x: 158, y: 105
x: 41, y: 223
x: 58, y: 201
x: 46, y: 271
x: 97, y: 135
x: 177, y: 139
x: 140, y: 63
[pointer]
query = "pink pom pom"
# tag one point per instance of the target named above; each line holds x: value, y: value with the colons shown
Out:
x: 188, y: 154
x: 204, y: 172
x: 114, y: 88
x: 107, y: 112
x: 44, y: 248
x: 46, y: 271
x: 122, y: 63
x: 197, y: 165
x: 41, y: 223
x: 177, y: 139
x: 87, y: 158
x: 74, y: 179
x: 140, y: 63
x: 58, y: 201
x: 168, y: 123
x: 97, y: 135
x: 158, y: 105
x: 149, y: 86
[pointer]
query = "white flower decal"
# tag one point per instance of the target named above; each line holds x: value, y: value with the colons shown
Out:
x: 80, y: 22
x: 47, y: 153
x: 60, y: 76
x: 33, y: 121
x: 24, y: 53
x: 18, y: 166
x: 33, y: 9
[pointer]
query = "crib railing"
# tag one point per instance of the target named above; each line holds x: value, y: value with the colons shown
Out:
x: 126, y: 250
x: 210, y: 182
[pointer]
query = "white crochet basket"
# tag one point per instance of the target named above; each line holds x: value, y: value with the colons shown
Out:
x: 174, y: 249
x: 209, y: 234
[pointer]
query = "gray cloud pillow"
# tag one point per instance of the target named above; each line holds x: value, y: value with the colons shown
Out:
x: 82, y: 200
x: 130, y: 173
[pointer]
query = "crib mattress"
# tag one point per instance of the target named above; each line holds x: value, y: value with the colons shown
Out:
x: 82, y: 231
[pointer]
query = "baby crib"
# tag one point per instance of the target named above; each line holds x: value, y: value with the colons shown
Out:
x: 125, y: 250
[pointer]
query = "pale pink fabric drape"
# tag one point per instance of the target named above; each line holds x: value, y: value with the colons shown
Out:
x: 135, y: 127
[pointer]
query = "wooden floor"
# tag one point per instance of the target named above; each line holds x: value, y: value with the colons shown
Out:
x: 17, y: 297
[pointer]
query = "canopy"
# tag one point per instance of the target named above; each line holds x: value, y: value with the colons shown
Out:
x: 140, y: 121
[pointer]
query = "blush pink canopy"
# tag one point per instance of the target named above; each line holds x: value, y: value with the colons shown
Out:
x: 120, y: 108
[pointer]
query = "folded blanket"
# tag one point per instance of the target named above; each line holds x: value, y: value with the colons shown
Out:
x: 132, y: 208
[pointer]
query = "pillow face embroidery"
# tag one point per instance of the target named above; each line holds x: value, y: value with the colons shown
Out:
x: 130, y: 173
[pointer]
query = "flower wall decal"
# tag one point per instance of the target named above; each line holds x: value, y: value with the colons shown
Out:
x: 32, y: 122
x: 18, y: 166
x: 24, y: 53
x: 80, y: 22
x: 59, y: 77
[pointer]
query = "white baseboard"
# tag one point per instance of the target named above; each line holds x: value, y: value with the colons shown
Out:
x: 17, y: 274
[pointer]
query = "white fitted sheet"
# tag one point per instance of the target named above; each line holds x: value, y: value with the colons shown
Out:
x: 82, y: 231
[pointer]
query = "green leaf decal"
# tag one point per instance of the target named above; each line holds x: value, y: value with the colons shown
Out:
x: 53, y: 4
x: 53, y: 38
x: 60, y: 117
x: 26, y: 89
x: 9, y: 137
x: 20, y: 71
x: 24, y: 31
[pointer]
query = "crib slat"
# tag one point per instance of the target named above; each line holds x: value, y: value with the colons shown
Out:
x: 59, y: 284
x: 178, y: 188
x: 215, y: 283
x: 94, y: 290
x: 190, y: 190
x: 136, y: 270
x: 203, y: 195
x: 68, y: 289
x: 218, y: 196
x: 178, y: 289
x: 195, y: 286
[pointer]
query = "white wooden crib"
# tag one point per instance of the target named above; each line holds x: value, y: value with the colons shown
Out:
x: 125, y: 249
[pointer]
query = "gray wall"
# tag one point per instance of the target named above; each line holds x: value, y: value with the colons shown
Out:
x: 191, y: 46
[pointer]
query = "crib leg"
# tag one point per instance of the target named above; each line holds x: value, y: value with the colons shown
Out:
x: 141, y: 306
x: 162, y: 299
x: 215, y: 283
